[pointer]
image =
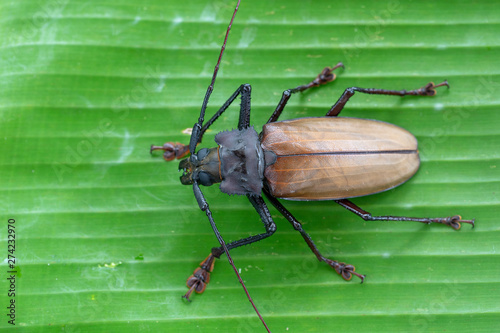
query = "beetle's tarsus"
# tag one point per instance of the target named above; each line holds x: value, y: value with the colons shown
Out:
x: 452, y: 221
x: 172, y: 150
x: 430, y: 88
x: 344, y: 270
x: 201, y: 277
x: 457, y: 219
x: 326, y: 75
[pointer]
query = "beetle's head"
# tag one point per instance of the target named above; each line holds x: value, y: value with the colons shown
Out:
x: 202, y: 167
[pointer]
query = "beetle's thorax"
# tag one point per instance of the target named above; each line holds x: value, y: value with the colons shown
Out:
x: 237, y: 163
x: 242, y: 161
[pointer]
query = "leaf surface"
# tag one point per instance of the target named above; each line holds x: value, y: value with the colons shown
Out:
x: 106, y: 235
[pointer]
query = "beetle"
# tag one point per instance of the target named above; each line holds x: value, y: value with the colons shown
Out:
x: 305, y: 159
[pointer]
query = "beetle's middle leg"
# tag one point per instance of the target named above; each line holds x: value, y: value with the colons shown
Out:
x: 345, y: 270
x: 427, y: 90
x: 452, y: 221
x: 324, y: 77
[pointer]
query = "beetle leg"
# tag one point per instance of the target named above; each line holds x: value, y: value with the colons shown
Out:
x: 261, y: 208
x: 172, y: 150
x: 427, y: 90
x: 201, y: 276
x: 244, y: 121
x: 345, y: 270
x: 452, y: 221
x: 177, y: 150
x: 324, y: 77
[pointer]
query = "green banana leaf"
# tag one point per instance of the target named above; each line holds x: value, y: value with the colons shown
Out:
x: 105, y: 234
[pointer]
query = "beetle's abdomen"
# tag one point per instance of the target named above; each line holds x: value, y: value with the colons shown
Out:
x: 333, y: 158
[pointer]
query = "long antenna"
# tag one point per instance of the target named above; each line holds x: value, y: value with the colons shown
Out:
x: 196, y: 133
x: 202, y: 202
x: 195, y: 136
x: 216, y: 69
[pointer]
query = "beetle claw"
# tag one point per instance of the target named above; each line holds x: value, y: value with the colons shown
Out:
x: 454, y: 221
x: 326, y: 75
x: 430, y: 88
x: 344, y: 270
x: 172, y: 150
x: 200, y: 278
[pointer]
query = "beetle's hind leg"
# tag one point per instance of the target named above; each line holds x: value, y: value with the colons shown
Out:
x: 324, y: 77
x: 345, y: 270
x: 452, y: 221
x: 427, y: 90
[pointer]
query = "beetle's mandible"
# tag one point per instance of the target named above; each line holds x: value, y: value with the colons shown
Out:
x: 318, y: 158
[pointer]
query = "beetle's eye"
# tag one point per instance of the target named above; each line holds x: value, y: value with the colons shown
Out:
x: 202, y: 153
x: 204, y: 178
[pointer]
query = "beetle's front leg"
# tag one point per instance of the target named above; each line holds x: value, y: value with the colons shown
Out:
x: 201, y: 276
x: 172, y: 150
x: 345, y: 270
x: 176, y: 150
